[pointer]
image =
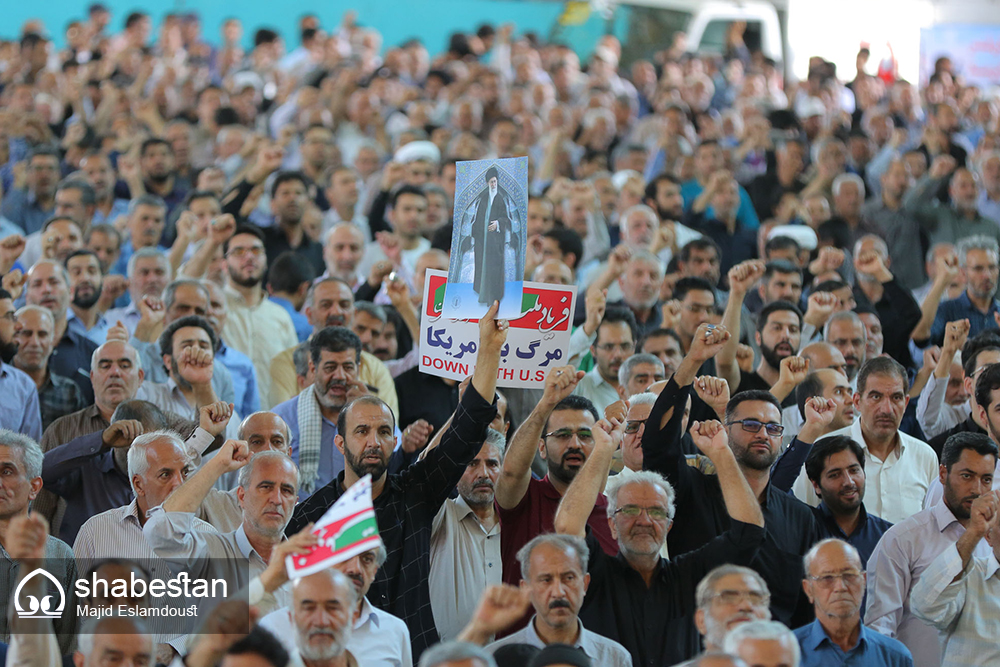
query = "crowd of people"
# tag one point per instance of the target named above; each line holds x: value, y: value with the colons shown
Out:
x: 772, y: 441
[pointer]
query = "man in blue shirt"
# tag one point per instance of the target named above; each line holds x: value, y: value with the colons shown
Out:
x: 19, y: 411
x: 978, y: 257
x: 835, y: 584
x: 288, y: 282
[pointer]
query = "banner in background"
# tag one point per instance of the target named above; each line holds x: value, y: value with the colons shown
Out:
x: 536, y: 341
x: 974, y: 51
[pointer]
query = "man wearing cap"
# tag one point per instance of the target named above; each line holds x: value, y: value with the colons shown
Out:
x: 491, y: 231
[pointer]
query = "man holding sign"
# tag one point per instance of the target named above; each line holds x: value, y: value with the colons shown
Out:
x: 406, y: 504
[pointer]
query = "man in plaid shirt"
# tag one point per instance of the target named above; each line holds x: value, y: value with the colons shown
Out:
x: 406, y: 503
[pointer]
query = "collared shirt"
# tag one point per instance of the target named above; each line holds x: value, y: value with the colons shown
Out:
x: 961, y: 308
x: 898, y: 562
x: 118, y: 207
x: 935, y: 494
x: 465, y: 560
x: 83, y: 472
x: 597, y: 389
x: 872, y: 649
x: 301, y: 323
x: 98, y: 333
x: 654, y: 623
x: 988, y: 208
x: 58, y: 397
x: 865, y: 537
x: 128, y: 315
x: 19, y: 409
x: 405, y: 511
x: 894, y: 488
x: 898, y: 228
x: 261, y: 332
x: 168, y: 397
x: 964, y: 604
x: 331, y: 461
x: 209, y: 554
x: 702, y: 516
x: 71, y: 358
x: 276, y: 243
x: 59, y: 562
x: 378, y: 639
x: 535, y: 515
x: 602, y: 651
x: 244, y: 377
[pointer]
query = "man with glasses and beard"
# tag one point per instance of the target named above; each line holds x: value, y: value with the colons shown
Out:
x: 406, y: 503
x: 908, y: 548
x: 560, y: 428
x: 85, y: 283
x: 334, y: 358
x: 753, y: 420
x: 465, y: 542
x: 19, y: 409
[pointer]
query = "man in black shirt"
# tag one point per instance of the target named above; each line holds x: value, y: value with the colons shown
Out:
x: 753, y: 420
x: 406, y: 503
x: 637, y: 598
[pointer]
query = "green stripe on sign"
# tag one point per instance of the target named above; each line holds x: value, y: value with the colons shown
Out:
x: 353, y: 534
x: 439, y: 298
x: 528, y: 301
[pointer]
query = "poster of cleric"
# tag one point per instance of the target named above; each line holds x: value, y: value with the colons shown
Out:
x: 488, y: 242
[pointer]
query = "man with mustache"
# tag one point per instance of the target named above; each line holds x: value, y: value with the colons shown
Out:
x: 322, y: 605
x: 900, y: 468
x: 465, y: 542
x: 20, y: 405
x: 147, y: 216
x: 846, y: 332
x: 256, y: 326
x: 330, y: 303
x: 561, y: 430
x: 835, y: 584
x: 555, y: 574
x: 85, y: 285
x: 57, y: 395
x: 728, y: 596
x: 148, y: 272
x: 613, y: 344
x: 753, y: 420
x: 909, y: 547
x: 312, y: 416
x: 378, y: 639
x: 406, y: 503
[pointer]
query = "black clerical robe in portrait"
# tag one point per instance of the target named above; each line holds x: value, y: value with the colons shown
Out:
x: 490, y: 246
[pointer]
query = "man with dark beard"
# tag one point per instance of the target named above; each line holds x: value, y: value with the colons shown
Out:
x: 406, y: 503
x: 560, y: 428
x: 19, y: 407
x: 465, y: 542
x: 85, y: 282
x: 289, y: 199
x: 779, y: 329
x: 753, y: 421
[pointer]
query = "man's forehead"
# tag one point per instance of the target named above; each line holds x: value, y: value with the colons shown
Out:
x: 332, y: 289
x: 368, y: 414
x: 884, y: 382
x: 83, y: 261
x: 275, y: 470
x: 639, y: 411
x: 737, y: 582
x: 700, y: 296
x: 569, y: 417
x: 190, y: 333
x: 646, y: 369
x: 760, y: 409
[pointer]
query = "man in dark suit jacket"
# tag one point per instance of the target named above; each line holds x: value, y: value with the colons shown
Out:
x: 490, y: 231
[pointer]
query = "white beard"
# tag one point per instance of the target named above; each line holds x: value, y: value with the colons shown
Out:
x: 493, y: 193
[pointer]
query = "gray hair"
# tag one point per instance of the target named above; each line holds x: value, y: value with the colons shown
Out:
x: 87, y: 196
x: 373, y: 309
x: 646, y: 256
x: 810, y: 556
x: 625, y: 370
x: 91, y: 626
x: 498, y: 440
x: 983, y: 159
x: 447, y: 652
x: 838, y: 183
x: 644, y: 398
x: 170, y: 293
x: 706, y: 587
x: 764, y: 630
x: 146, y: 200
x: 977, y: 242
x: 311, y: 294
x: 43, y: 312
x: 246, y: 472
x: 340, y: 579
x: 300, y: 357
x: 138, y: 461
x: 60, y: 269
x: 849, y: 315
x: 645, y: 210
x: 145, y: 253
x: 31, y: 454
x: 243, y: 424
x: 618, y: 482
x: 562, y: 542
x: 878, y: 241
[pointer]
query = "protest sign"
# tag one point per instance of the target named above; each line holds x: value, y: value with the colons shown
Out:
x: 347, y: 529
x: 536, y: 341
x: 489, y: 238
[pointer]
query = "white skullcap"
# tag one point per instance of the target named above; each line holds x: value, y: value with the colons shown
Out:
x: 418, y: 150
x: 801, y: 234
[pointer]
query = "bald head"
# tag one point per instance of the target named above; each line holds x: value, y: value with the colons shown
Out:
x: 344, y: 248
x: 265, y: 430
x: 553, y: 272
x: 824, y: 355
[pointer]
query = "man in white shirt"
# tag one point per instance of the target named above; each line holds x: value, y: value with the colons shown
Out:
x: 943, y: 404
x: 378, y: 639
x: 465, y: 542
x: 615, y: 342
x: 899, y: 468
x: 555, y: 573
x: 960, y: 594
x: 908, y: 548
